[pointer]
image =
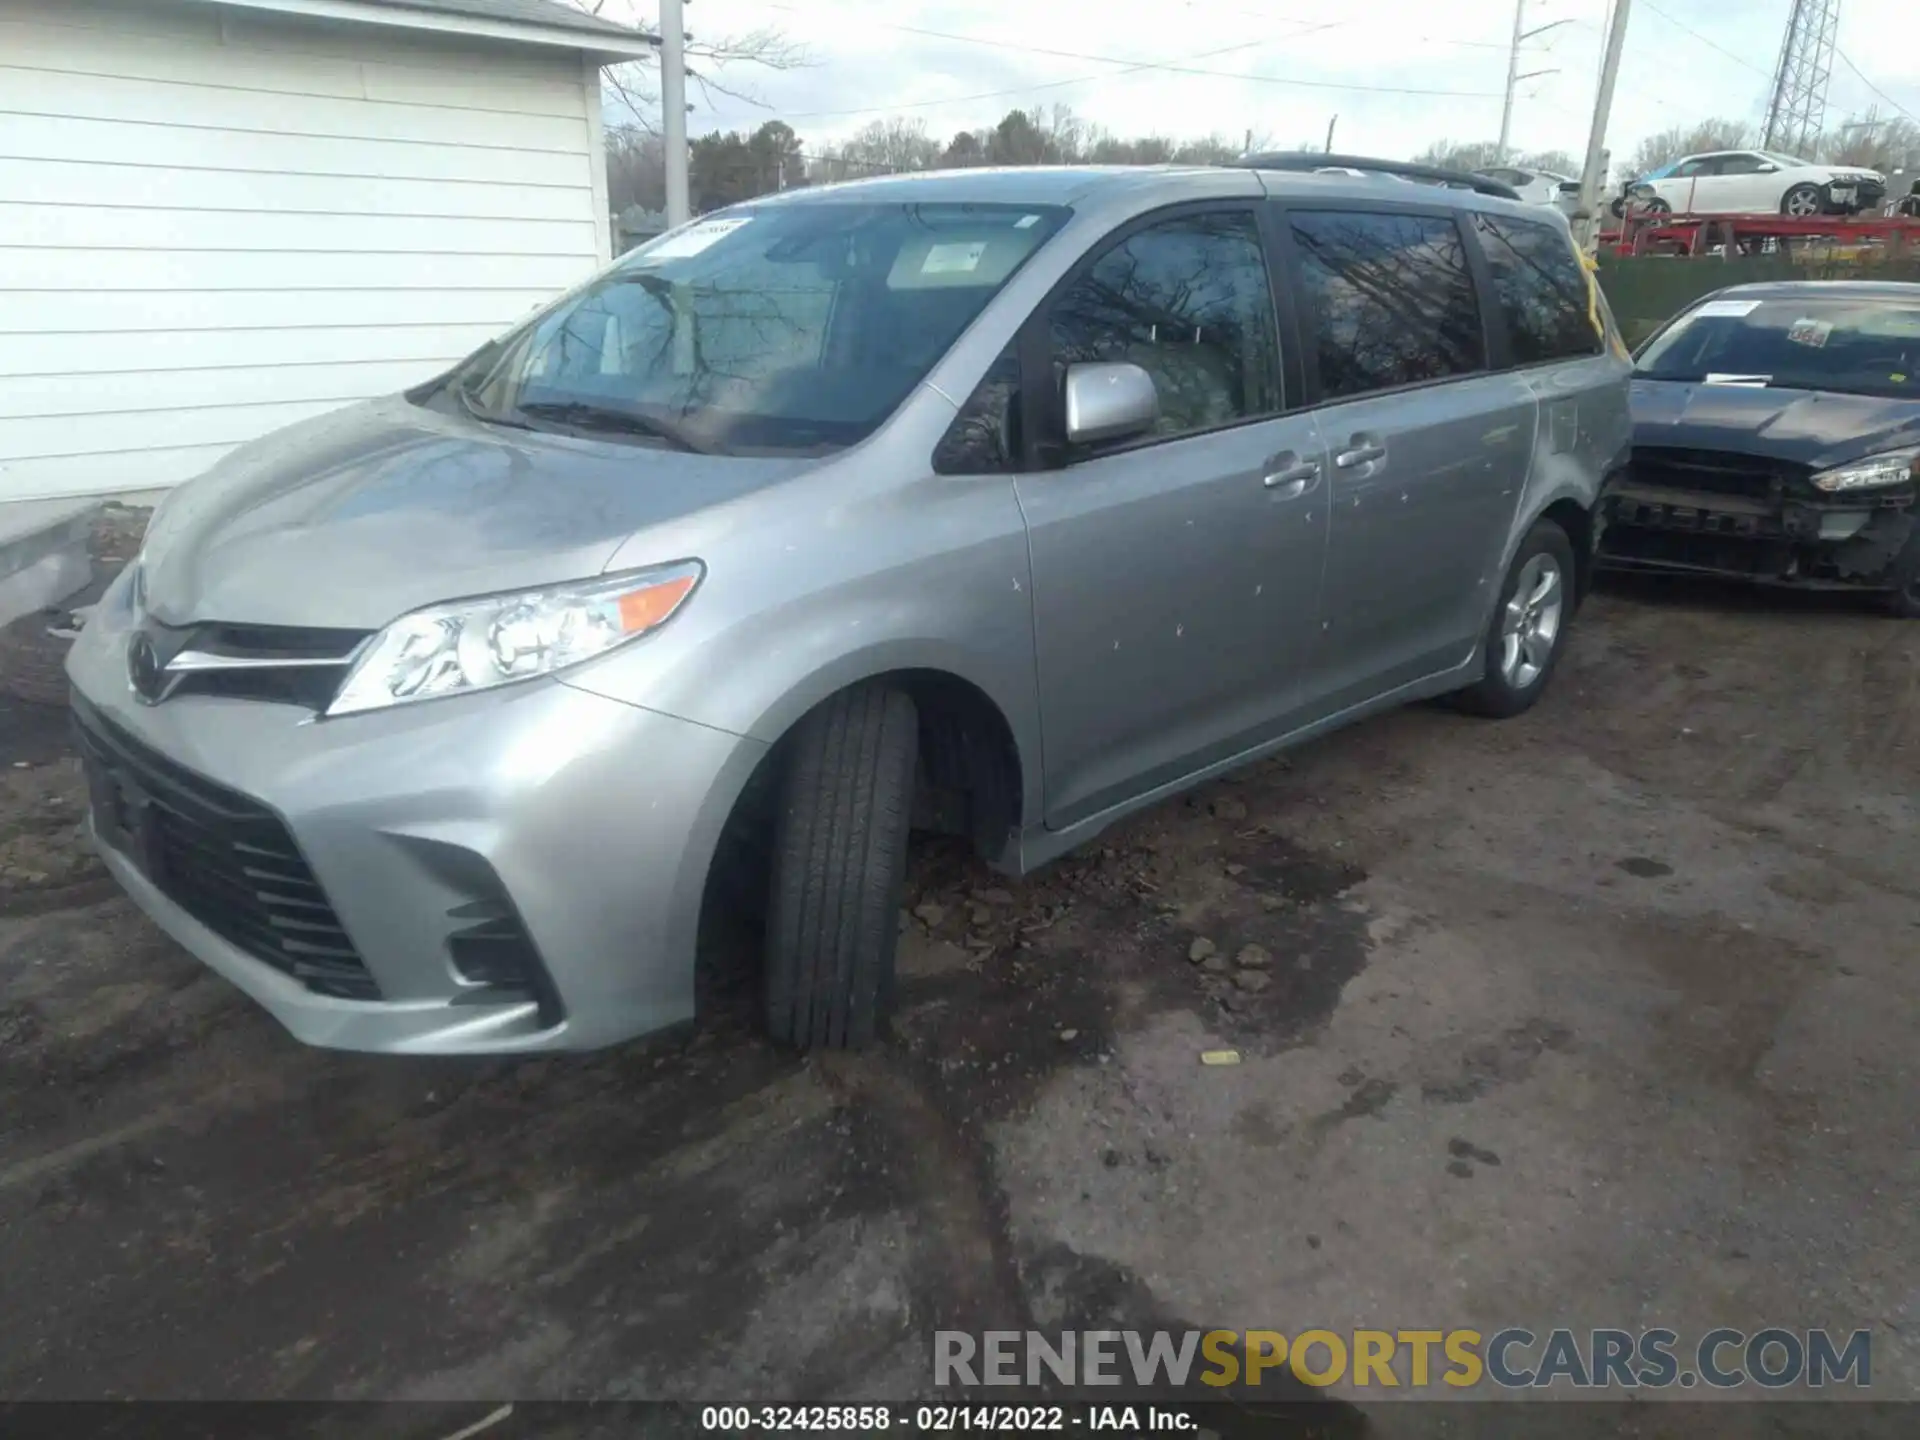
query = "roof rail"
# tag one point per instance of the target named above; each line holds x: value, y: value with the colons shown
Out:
x: 1310, y: 160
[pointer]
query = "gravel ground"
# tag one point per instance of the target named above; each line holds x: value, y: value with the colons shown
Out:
x: 1603, y: 1016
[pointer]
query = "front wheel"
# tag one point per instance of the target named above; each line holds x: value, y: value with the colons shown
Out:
x: 839, y: 865
x: 1529, y: 626
x: 1803, y: 201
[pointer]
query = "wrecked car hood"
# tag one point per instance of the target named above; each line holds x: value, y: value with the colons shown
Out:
x: 1809, y: 427
x: 359, y: 516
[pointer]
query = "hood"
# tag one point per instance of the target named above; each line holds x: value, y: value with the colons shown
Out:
x: 360, y: 516
x: 1808, y: 427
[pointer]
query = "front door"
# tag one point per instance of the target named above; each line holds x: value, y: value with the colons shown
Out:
x: 1745, y: 184
x: 1427, y: 450
x: 1694, y: 187
x: 1176, y: 576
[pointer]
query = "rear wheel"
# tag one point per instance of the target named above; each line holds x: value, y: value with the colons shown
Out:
x: 1803, y: 200
x: 1529, y: 626
x: 839, y: 865
x: 1656, y: 206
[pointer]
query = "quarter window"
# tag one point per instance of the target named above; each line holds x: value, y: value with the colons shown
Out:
x: 1542, y: 289
x: 1187, y: 301
x: 984, y: 438
x: 1389, y: 297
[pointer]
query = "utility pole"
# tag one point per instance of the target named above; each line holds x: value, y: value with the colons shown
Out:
x: 673, y: 108
x: 1514, y: 77
x: 1330, y: 124
x: 1592, y: 173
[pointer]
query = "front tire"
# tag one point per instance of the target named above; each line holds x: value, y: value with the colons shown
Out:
x: 839, y: 865
x: 1803, y: 201
x: 1529, y: 627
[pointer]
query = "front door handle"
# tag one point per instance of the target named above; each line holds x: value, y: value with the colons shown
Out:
x: 1292, y: 481
x: 1361, y: 453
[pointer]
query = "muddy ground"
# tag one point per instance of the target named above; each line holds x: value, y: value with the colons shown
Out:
x: 1602, y: 1016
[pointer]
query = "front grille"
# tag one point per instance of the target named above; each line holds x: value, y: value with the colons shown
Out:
x: 279, y: 664
x: 226, y: 860
x: 1715, y: 472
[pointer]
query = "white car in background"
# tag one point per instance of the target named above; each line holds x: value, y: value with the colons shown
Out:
x: 1762, y: 182
x: 1537, y: 187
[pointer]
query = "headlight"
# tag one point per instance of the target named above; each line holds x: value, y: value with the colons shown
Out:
x: 498, y: 639
x: 1893, y: 468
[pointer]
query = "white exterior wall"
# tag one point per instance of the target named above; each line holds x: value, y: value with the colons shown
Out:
x: 214, y: 223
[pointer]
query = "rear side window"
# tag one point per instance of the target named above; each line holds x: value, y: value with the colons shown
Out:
x: 1390, y: 299
x: 1187, y: 300
x: 1542, y: 289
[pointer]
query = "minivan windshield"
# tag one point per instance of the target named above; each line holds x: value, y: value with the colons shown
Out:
x: 1854, y: 346
x: 792, y: 327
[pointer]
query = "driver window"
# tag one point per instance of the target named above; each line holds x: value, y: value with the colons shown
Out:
x: 1187, y: 300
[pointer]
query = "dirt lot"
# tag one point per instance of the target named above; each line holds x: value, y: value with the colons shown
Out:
x: 1604, y: 1016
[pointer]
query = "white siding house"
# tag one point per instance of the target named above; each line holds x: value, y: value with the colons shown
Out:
x: 218, y: 217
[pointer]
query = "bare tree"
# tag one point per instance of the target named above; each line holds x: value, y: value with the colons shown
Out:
x: 636, y: 83
x: 1706, y: 135
x: 1480, y: 154
x: 1889, y: 146
x: 890, y: 146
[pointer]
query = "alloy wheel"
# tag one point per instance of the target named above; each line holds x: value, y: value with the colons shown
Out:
x: 1531, y: 624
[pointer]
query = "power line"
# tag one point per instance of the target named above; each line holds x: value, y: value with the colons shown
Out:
x: 1003, y: 94
x: 1766, y: 75
x: 1193, y: 70
x: 1175, y: 67
x: 1873, y: 87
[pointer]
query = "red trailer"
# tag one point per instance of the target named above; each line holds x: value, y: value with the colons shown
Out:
x: 1821, y: 237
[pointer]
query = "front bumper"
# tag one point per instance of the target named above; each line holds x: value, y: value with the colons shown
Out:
x: 1863, y: 540
x: 590, y: 823
x: 1866, y: 195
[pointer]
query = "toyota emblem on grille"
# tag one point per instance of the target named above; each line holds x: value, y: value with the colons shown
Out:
x: 145, y: 672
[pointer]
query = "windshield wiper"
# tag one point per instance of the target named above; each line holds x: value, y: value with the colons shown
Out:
x: 481, y: 413
x: 587, y: 416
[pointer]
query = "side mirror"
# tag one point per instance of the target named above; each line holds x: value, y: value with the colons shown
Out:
x: 1109, y: 402
x: 1768, y: 169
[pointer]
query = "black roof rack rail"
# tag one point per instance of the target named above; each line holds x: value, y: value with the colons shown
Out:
x: 1310, y: 160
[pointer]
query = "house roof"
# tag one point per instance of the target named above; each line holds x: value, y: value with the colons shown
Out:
x: 527, y: 12
x: 532, y: 22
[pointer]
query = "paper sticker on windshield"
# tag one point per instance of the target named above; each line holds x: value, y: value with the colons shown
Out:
x: 1026, y: 222
x: 1722, y: 379
x: 1814, y: 333
x: 1728, y: 308
x: 959, y: 258
x: 695, y: 238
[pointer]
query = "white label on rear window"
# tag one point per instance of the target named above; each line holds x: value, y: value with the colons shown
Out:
x: 954, y: 259
x: 1026, y: 222
x: 1726, y: 307
x: 695, y: 238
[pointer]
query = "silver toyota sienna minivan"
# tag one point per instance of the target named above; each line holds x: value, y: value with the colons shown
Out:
x: 998, y: 502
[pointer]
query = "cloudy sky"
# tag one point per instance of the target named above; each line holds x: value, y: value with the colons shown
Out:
x: 1398, y: 73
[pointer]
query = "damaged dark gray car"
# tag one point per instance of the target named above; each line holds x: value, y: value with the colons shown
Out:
x: 1777, y: 439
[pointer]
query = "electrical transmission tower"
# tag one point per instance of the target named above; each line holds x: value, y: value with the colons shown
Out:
x: 1797, y: 110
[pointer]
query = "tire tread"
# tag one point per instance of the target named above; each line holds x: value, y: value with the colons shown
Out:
x: 839, y: 868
